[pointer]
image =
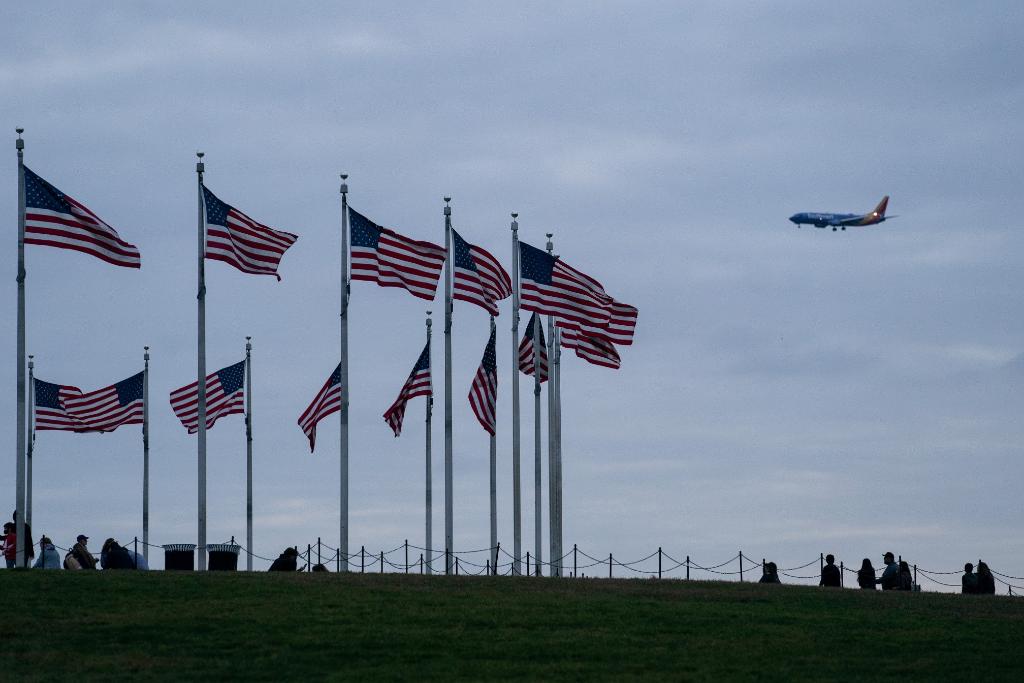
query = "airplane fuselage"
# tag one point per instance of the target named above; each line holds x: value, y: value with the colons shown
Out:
x: 842, y: 220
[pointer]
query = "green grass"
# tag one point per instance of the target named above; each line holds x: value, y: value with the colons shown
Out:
x: 85, y: 625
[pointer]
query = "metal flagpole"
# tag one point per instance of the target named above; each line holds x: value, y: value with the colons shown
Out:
x: 448, y: 478
x: 31, y: 440
x: 429, y: 539
x: 557, y: 427
x: 494, y: 486
x: 145, y: 453
x: 201, y: 370
x: 517, y: 510
x: 248, y: 453
x: 19, y: 504
x: 538, y: 520
x: 552, y: 548
x: 343, y: 413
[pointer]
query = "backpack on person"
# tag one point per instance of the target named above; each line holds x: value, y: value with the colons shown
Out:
x: 71, y: 562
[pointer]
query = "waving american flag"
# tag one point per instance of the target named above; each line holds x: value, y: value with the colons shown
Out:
x: 483, y: 394
x: 234, y: 238
x: 50, y: 409
x: 392, y: 260
x: 418, y: 384
x: 106, y: 409
x: 477, y: 276
x: 526, y: 349
x: 326, y: 402
x: 225, y: 395
x: 53, y: 219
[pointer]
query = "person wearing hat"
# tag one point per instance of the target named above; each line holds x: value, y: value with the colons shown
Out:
x: 48, y: 558
x: 81, y: 553
x: 890, y: 578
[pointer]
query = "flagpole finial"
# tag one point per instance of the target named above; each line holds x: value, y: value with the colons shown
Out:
x: 550, y: 244
x: 145, y: 353
x: 19, y: 144
x: 248, y: 343
x: 515, y: 215
x: 200, y: 166
x: 429, y: 321
x: 30, y: 363
x: 344, y: 185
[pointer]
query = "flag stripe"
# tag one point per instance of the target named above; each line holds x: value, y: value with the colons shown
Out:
x: 483, y: 393
x: 185, y: 401
x: 326, y: 402
x: 238, y: 240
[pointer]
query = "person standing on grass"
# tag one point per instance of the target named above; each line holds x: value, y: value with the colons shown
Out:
x: 830, y: 575
x: 890, y: 579
x: 969, y: 581
x: 906, y: 578
x: 866, y: 575
x: 49, y: 558
x: 986, y: 582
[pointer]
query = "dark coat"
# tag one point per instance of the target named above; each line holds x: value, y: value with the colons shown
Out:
x: 866, y: 579
x: 969, y: 583
x: 284, y: 563
x: 118, y: 558
x: 986, y: 583
x: 830, y: 576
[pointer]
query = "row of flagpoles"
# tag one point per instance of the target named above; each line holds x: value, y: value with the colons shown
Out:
x: 580, y: 315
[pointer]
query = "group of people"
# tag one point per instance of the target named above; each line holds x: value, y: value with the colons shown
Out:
x: 112, y: 556
x: 896, y: 576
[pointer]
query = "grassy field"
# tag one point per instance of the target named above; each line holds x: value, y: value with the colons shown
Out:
x: 60, y: 625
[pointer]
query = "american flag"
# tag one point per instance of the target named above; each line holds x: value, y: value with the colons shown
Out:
x: 104, y: 410
x: 53, y: 219
x: 477, y: 276
x: 552, y: 287
x: 483, y: 394
x: 225, y: 395
x: 327, y: 401
x: 233, y: 237
x: 418, y: 384
x: 392, y: 260
x: 50, y: 411
x: 591, y: 349
x: 526, y: 349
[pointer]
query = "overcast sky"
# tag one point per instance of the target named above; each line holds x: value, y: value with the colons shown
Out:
x: 789, y: 392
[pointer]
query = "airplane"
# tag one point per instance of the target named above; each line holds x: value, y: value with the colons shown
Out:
x: 841, y: 220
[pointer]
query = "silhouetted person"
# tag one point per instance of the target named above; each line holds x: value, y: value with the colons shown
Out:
x: 866, y: 575
x: 770, y: 574
x: 49, y: 558
x: 969, y: 581
x: 830, y: 575
x: 986, y: 582
x: 80, y: 551
x: 286, y: 562
x: 114, y: 556
x: 29, y: 549
x: 890, y: 579
x: 320, y: 568
x: 906, y: 578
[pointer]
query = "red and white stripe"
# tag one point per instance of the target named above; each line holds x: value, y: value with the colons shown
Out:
x: 418, y: 384
x: 591, y: 349
x: 56, y: 418
x: 80, y: 230
x: 526, y: 359
x: 247, y: 245
x: 398, y: 261
x: 185, y: 403
x: 484, y: 287
x: 483, y: 393
x: 326, y: 402
x: 101, y: 411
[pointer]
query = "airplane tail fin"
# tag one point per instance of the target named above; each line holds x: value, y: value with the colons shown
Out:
x: 879, y: 211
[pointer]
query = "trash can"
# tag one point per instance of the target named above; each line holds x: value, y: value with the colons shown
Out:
x: 223, y: 557
x: 180, y: 556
